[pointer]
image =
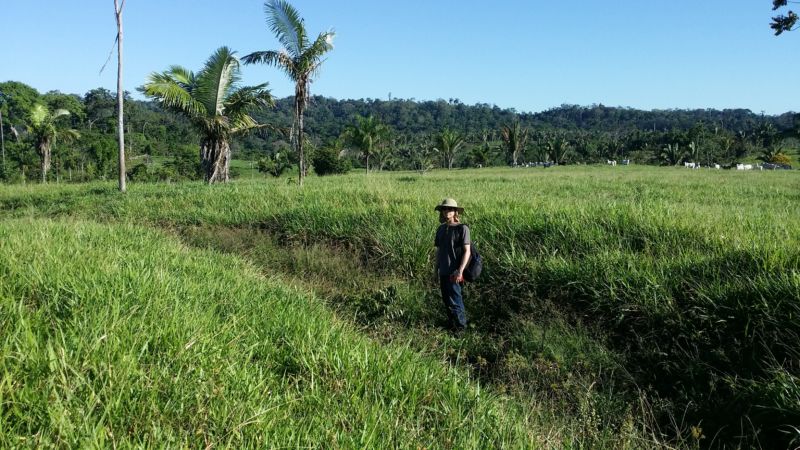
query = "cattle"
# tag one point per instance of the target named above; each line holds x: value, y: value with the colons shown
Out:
x: 611, y: 162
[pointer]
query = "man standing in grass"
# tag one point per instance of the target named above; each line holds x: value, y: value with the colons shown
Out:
x: 452, y: 256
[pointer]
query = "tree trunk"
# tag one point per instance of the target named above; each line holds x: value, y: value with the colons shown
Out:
x: 215, y: 159
x: 2, y: 141
x: 44, y: 152
x: 299, y: 103
x: 120, y: 95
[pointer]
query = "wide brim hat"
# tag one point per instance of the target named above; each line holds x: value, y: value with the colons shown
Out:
x: 448, y: 203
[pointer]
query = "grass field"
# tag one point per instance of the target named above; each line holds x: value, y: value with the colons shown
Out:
x: 620, y: 307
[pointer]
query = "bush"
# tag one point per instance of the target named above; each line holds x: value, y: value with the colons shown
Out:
x: 274, y: 166
x: 186, y: 164
x: 147, y: 173
x: 326, y: 161
x: 781, y: 158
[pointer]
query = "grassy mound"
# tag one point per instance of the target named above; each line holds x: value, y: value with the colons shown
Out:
x: 116, y: 335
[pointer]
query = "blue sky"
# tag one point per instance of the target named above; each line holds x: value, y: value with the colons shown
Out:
x: 529, y: 55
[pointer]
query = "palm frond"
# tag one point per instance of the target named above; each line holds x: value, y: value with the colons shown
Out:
x: 185, y: 78
x: 323, y: 44
x: 217, y: 79
x: 59, y: 113
x: 287, y: 25
x: 173, y: 94
x: 68, y: 136
x: 312, y: 58
x: 248, y: 98
x: 272, y: 58
x: 38, y: 115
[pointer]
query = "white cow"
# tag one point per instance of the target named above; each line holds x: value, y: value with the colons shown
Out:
x: 690, y: 165
x: 611, y: 162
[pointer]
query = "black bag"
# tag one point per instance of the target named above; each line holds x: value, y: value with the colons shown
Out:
x: 474, y: 266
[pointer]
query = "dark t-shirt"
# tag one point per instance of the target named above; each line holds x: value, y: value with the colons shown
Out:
x: 450, y: 240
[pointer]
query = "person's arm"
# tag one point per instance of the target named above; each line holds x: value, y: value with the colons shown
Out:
x: 464, y: 262
x: 436, y: 262
x: 465, y: 254
x: 436, y: 255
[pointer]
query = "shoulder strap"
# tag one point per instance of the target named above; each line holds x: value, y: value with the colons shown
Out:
x: 462, y: 232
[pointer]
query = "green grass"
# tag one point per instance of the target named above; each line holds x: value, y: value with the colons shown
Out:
x: 605, y: 288
x: 119, y: 336
x: 246, y: 169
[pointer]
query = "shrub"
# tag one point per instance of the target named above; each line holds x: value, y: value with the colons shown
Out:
x: 781, y: 158
x: 326, y: 161
x: 274, y: 166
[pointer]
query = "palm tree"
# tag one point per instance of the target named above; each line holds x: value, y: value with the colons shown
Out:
x: 448, y: 142
x: 726, y: 142
x: 300, y: 59
x: 515, y: 138
x: 214, y: 105
x: 671, y: 154
x: 45, y: 131
x: 769, y: 153
x: 694, y: 151
x: 558, y: 147
x: 367, y: 135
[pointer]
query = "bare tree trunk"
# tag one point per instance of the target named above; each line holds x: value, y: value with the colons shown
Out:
x: 2, y: 141
x: 120, y: 97
x: 216, y: 156
x: 44, y: 152
x: 299, y: 95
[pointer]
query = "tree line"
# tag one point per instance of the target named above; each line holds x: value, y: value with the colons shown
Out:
x: 379, y: 134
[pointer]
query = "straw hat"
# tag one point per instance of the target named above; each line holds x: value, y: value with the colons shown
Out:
x: 448, y: 203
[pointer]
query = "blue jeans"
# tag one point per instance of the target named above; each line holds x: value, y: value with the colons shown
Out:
x: 453, y: 303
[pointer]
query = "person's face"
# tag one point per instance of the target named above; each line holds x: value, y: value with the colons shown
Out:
x: 446, y: 215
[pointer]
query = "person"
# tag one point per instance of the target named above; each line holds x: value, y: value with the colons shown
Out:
x: 452, y: 256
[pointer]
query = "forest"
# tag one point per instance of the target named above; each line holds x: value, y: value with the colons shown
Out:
x: 405, y: 134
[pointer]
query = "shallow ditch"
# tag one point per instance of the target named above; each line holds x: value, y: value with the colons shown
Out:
x: 534, y: 361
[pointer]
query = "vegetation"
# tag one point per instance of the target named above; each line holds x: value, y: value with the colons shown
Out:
x: 300, y: 59
x: 45, y: 132
x: 133, y: 345
x: 275, y: 165
x: 328, y: 160
x: 625, y: 307
x: 782, y: 22
x: 407, y: 140
x: 213, y: 104
x: 368, y: 136
x: 448, y: 142
x: 514, y: 137
x: 621, y: 299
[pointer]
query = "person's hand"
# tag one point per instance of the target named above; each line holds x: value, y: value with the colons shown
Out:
x: 457, y: 277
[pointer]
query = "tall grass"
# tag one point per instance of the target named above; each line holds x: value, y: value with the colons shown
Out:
x: 118, y: 336
x: 691, y: 279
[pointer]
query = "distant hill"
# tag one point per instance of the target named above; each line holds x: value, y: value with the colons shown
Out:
x: 327, y: 117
